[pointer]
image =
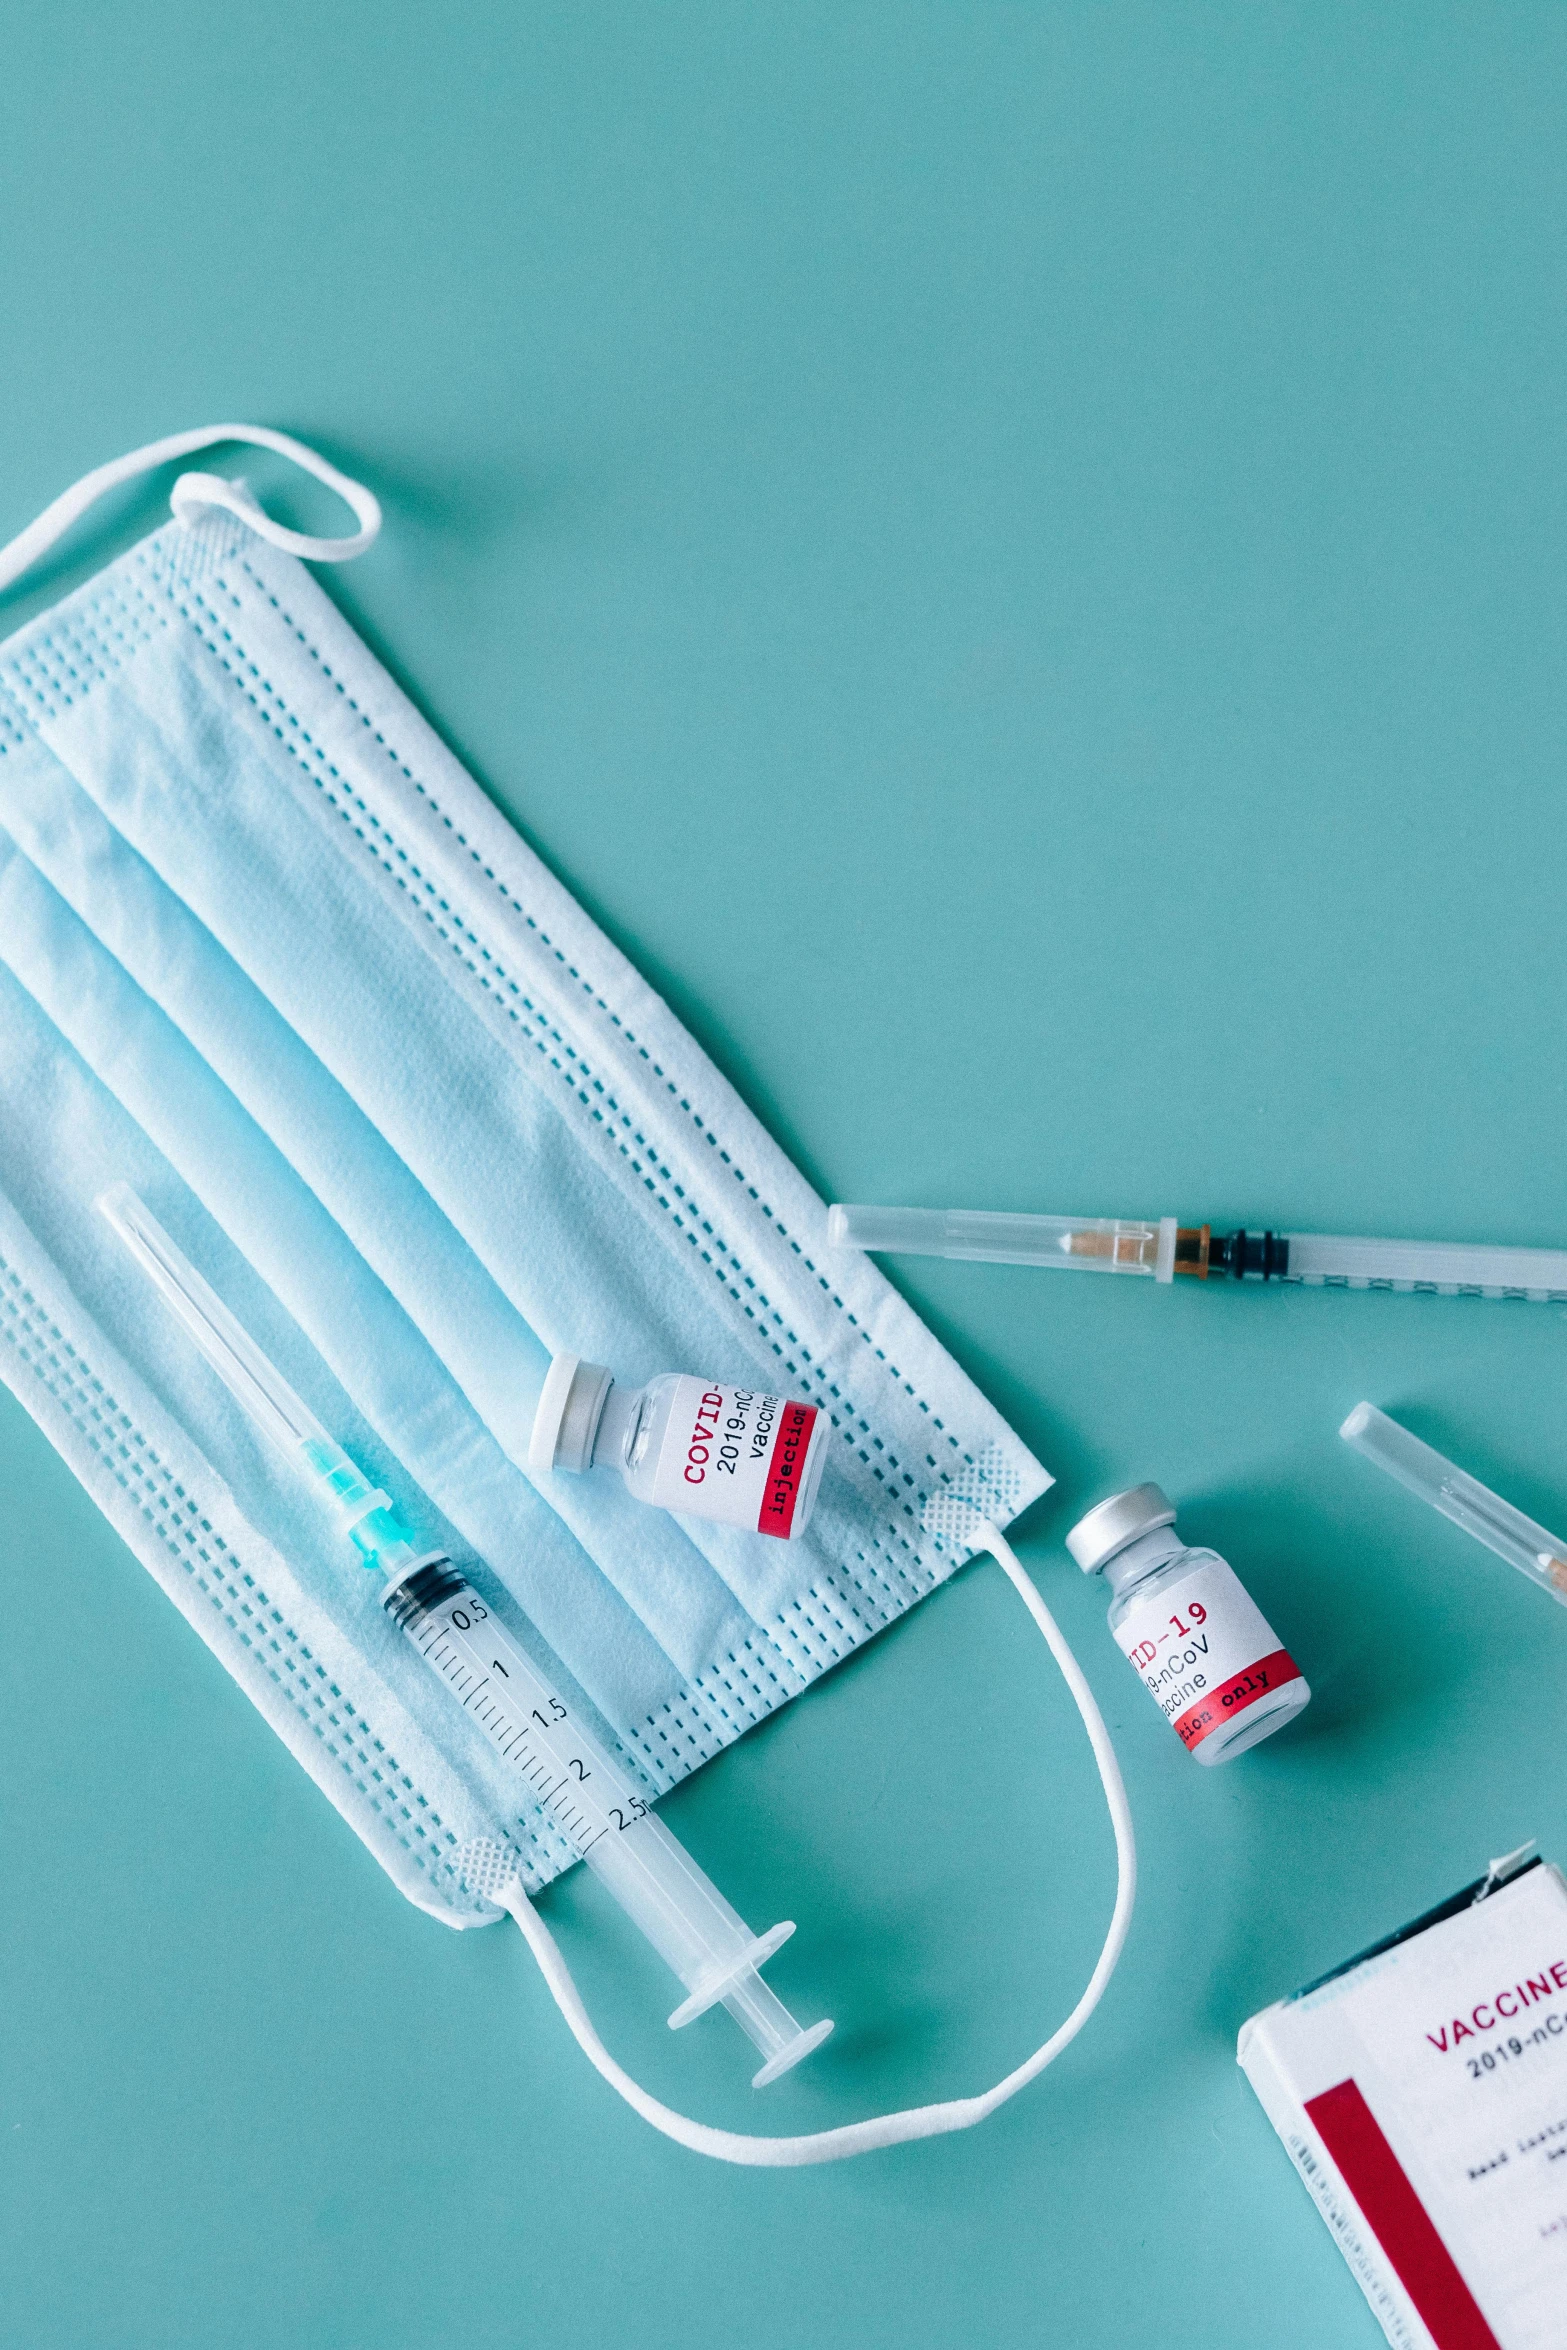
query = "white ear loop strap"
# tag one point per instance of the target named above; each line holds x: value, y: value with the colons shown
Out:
x: 915, y: 2121
x: 194, y: 491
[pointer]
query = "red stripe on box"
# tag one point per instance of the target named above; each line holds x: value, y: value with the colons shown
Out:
x: 782, y: 1490
x: 1222, y: 1705
x: 1398, y: 2219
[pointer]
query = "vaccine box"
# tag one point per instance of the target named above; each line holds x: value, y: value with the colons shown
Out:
x: 1421, y: 2092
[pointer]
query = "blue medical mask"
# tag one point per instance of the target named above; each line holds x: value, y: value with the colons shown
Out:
x: 270, y: 955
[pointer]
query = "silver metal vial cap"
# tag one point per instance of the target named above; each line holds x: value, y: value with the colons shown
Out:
x: 1117, y: 1522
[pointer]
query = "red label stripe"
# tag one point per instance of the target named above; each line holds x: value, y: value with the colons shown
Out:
x: 1222, y: 1705
x: 784, y: 1470
x: 1398, y: 2219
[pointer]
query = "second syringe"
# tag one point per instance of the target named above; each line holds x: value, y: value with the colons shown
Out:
x: 1167, y: 1250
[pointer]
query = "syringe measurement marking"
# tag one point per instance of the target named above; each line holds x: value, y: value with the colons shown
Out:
x: 519, y: 1744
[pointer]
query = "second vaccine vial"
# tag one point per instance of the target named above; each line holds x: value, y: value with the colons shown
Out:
x: 1201, y: 1646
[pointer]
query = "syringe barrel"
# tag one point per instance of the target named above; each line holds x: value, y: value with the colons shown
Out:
x: 1471, y: 1268
x: 1092, y: 1244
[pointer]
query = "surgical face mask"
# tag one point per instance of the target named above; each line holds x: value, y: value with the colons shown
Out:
x: 268, y: 955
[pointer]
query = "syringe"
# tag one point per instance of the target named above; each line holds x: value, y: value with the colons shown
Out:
x: 1106, y: 1244
x: 564, y: 1769
x: 1425, y: 1472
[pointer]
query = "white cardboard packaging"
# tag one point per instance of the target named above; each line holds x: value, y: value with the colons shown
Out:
x: 1421, y: 2092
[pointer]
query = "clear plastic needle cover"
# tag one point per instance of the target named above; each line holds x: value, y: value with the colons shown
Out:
x: 1535, y: 1552
x: 363, y: 1512
x: 1099, y: 1244
x: 236, y: 1358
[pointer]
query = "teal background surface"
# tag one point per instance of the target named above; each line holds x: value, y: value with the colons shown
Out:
x: 1013, y: 557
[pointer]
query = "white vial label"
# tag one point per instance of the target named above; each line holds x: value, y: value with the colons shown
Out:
x: 734, y: 1454
x: 1204, y: 1650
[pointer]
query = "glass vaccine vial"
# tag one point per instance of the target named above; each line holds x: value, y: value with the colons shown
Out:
x: 733, y: 1454
x: 1184, y: 1621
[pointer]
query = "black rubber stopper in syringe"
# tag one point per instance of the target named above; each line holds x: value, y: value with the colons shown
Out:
x: 1264, y: 1256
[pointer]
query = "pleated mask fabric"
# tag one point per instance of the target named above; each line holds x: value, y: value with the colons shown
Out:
x: 269, y: 953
